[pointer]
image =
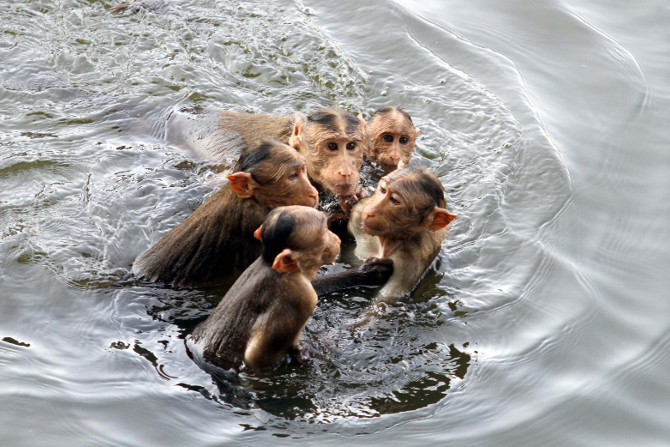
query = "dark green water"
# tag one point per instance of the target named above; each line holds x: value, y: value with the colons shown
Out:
x: 545, y: 320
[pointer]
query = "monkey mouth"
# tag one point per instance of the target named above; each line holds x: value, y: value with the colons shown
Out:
x: 370, y: 229
x: 388, y: 167
x: 343, y: 189
x: 312, y: 201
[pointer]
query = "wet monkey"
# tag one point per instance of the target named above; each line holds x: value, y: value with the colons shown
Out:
x: 390, y: 138
x: 216, y: 240
x: 404, y: 221
x: 262, y: 316
x: 332, y: 141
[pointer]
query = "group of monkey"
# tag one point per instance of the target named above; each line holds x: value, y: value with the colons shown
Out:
x: 263, y: 229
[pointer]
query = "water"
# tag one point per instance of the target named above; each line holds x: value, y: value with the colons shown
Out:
x: 544, y: 320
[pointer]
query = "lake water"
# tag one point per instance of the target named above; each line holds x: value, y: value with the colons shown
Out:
x: 545, y: 320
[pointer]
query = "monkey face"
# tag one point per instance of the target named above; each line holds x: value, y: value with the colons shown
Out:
x: 332, y: 140
x: 288, y: 185
x: 392, y: 212
x: 321, y: 247
x: 390, y: 137
x: 331, y: 247
x: 336, y: 166
x: 391, y: 146
x: 296, y: 189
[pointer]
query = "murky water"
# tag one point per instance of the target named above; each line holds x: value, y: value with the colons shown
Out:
x: 546, y: 318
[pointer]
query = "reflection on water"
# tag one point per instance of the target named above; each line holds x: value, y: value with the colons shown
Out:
x: 521, y: 327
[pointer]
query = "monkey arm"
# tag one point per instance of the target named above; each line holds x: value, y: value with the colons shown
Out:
x: 373, y: 272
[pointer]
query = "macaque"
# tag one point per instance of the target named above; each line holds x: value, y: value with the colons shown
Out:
x: 390, y: 138
x: 331, y: 140
x: 404, y: 221
x: 261, y: 317
x: 216, y: 241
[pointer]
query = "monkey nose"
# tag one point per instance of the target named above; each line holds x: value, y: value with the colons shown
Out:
x: 346, y: 173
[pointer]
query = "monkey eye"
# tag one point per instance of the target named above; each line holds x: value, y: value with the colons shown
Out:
x: 394, y: 200
x: 332, y: 146
x: 388, y: 138
x: 382, y: 189
x: 292, y: 176
x: 404, y: 140
x: 351, y: 145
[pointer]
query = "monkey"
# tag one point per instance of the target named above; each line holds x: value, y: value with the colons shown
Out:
x: 390, y: 137
x: 216, y: 241
x: 261, y: 317
x: 332, y: 141
x: 404, y: 221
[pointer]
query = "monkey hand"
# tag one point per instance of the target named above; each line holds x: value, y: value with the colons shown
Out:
x: 347, y: 202
x: 303, y: 352
x: 376, y: 271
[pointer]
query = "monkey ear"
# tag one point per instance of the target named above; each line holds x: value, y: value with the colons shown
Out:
x: 286, y: 262
x: 258, y: 233
x: 242, y: 184
x: 362, y: 121
x: 439, y: 218
x: 294, y: 139
x: 417, y: 130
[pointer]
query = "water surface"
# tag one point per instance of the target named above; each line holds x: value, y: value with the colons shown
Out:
x: 545, y: 318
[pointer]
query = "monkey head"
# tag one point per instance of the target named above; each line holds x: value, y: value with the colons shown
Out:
x: 297, y: 238
x: 275, y: 174
x: 332, y: 141
x: 407, y: 201
x: 390, y: 138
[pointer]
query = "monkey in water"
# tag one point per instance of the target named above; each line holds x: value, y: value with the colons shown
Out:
x: 404, y: 221
x: 390, y: 137
x: 216, y: 242
x: 332, y: 141
x: 261, y: 317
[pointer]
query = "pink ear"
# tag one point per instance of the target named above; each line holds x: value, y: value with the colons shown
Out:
x: 362, y: 121
x: 417, y: 130
x: 285, y: 263
x: 441, y: 218
x: 294, y: 139
x: 258, y: 233
x: 242, y: 184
